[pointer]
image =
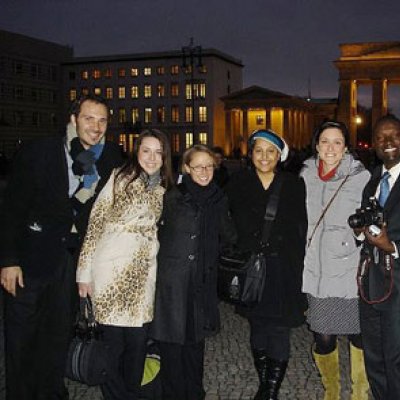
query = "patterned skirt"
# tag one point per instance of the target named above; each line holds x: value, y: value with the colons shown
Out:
x: 333, y: 315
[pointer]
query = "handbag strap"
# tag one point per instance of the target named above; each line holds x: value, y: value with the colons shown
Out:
x: 86, y: 310
x: 270, y: 212
x: 326, y: 209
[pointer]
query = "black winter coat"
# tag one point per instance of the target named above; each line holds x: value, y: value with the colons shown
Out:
x: 182, y: 297
x: 283, y: 302
x: 37, y: 215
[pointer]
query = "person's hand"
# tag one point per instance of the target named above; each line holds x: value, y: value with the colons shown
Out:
x: 10, y: 277
x: 84, y: 289
x: 381, y: 241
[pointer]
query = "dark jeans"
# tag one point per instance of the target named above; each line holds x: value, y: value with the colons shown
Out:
x: 127, y: 351
x: 38, y: 328
x: 182, y: 371
x: 380, y: 330
x: 274, y: 339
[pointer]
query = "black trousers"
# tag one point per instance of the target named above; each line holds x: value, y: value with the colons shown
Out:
x: 127, y: 350
x: 38, y: 328
x: 274, y: 339
x: 182, y: 371
x: 380, y: 330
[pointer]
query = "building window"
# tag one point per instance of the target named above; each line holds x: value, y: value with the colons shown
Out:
x: 161, y: 114
x: 134, y: 71
x: 72, y: 75
x: 109, y: 93
x: 122, y: 141
x: 34, y: 71
x: 174, y: 89
x: 160, y: 70
x: 175, y: 114
x: 97, y: 91
x: 135, y: 115
x: 108, y: 73
x: 203, y: 69
x: 160, y: 90
x: 147, y: 91
x: 188, y: 91
x: 122, y: 72
x: 188, y: 69
x: 18, y: 92
x: 18, y: 68
x: 134, y: 92
x: 85, y: 91
x: 85, y: 75
x: 53, y: 119
x: 96, y: 74
x: 201, y: 90
x: 188, y: 139
x: 121, y: 115
x: 188, y: 114
x: 121, y: 92
x: 175, y: 142
x: 202, y: 114
x: 203, y: 138
x: 147, y: 71
x: 147, y: 115
x: 174, y: 69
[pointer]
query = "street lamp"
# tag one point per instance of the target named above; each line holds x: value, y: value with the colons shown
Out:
x: 190, y: 54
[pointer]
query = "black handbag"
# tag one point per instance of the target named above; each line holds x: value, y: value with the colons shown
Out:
x: 87, y: 357
x: 241, y: 276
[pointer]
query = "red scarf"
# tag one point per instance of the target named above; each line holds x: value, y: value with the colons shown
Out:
x: 327, y: 176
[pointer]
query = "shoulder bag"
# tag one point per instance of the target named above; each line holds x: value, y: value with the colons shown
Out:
x: 87, y: 355
x: 241, y: 276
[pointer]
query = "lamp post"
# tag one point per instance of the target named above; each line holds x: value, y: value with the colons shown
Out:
x: 190, y: 54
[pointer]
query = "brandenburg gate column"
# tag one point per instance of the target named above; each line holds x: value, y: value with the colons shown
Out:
x: 229, y: 141
x: 379, y: 99
x: 347, y: 109
x: 245, y: 132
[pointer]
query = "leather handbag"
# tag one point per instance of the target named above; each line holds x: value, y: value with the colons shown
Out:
x: 87, y: 357
x: 241, y: 276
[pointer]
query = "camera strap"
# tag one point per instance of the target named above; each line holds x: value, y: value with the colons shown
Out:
x: 326, y: 209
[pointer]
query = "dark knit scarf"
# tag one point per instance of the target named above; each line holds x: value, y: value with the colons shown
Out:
x: 206, y: 198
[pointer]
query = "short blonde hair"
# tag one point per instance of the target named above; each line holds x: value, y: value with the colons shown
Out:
x: 191, y: 151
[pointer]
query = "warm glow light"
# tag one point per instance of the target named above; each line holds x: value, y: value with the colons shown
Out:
x: 358, y: 120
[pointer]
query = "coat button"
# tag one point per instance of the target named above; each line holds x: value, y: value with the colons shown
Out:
x: 193, y: 236
x: 191, y: 257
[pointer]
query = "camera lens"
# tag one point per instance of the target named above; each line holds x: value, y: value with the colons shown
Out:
x: 356, y: 221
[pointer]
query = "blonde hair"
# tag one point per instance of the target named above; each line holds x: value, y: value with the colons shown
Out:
x: 191, y: 151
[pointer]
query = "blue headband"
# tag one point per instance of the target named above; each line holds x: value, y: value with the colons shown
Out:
x: 270, y: 137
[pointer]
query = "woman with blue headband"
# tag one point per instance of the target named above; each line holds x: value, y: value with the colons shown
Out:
x: 282, y: 306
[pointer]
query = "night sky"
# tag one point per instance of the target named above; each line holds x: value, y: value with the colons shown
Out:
x: 282, y: 43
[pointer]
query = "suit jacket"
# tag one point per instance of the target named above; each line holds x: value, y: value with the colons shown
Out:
x: 392, y: 217
x: 37, y: 215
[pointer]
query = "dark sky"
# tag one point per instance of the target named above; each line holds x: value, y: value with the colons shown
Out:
x: 281, y: 42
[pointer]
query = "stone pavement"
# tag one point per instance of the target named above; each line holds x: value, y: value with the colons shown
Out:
x: 229, y: 371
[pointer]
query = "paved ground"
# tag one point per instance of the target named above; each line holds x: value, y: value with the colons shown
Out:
x: 229, y: 371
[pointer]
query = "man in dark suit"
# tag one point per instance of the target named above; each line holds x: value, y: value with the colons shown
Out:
x: 45, y: 212
x: 380, y: 323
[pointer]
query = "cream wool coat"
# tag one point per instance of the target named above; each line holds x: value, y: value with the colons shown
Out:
x: 119, y: 252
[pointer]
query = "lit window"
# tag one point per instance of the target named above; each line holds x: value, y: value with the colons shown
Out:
x: 174, y: 89
x: 109, y: 93
x: 121, y: 72
x: 202, y: 114
x: 188, y: 91
x: 122, y: 141
x: 121, y: 92
x: 161, y: 114
x: 97, y: 91
x: 134, y: 92
x: 202, y: 90
x: 188, y: 139
x: 174, y: 69
x: 147, y: 71
x: 203, y: 69
x: 85, y: 75
x: 147, y: 91
x: 188, y: 114
x: 85, y: 91
x: 134, y: 71
x: 96, y: 74
x: 135, y: 114
x: 188, y: 69
x: 203, y: 138
x: 72, y: 94
x: 108, y: 73
x: 175, y: 142
x: 147, y: 115
x: 160, y: 90
x: 121, y: 115
x: 175, y: 114
x: 199, y: 90
x: 160, y: 70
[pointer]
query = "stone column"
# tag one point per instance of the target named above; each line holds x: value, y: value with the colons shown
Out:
x: 243, y: 145
x: 379, y: 99
x: 267, y: 118
x: 229, y: 140
x: 286, y: 126
x: 347, y: 108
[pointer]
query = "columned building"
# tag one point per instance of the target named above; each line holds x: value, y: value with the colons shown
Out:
x: 294, y: 118
x: 375, y: 64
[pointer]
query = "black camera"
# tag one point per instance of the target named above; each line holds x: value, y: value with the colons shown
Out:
x: 372, y: 214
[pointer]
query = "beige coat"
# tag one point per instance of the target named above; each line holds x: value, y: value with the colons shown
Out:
x: 119, y: 252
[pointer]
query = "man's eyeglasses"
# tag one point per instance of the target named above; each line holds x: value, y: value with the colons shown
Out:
x: 201, y: 168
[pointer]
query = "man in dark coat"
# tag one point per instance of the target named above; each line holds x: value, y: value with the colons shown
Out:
x: 380, y: 323
x: 46, y: 207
